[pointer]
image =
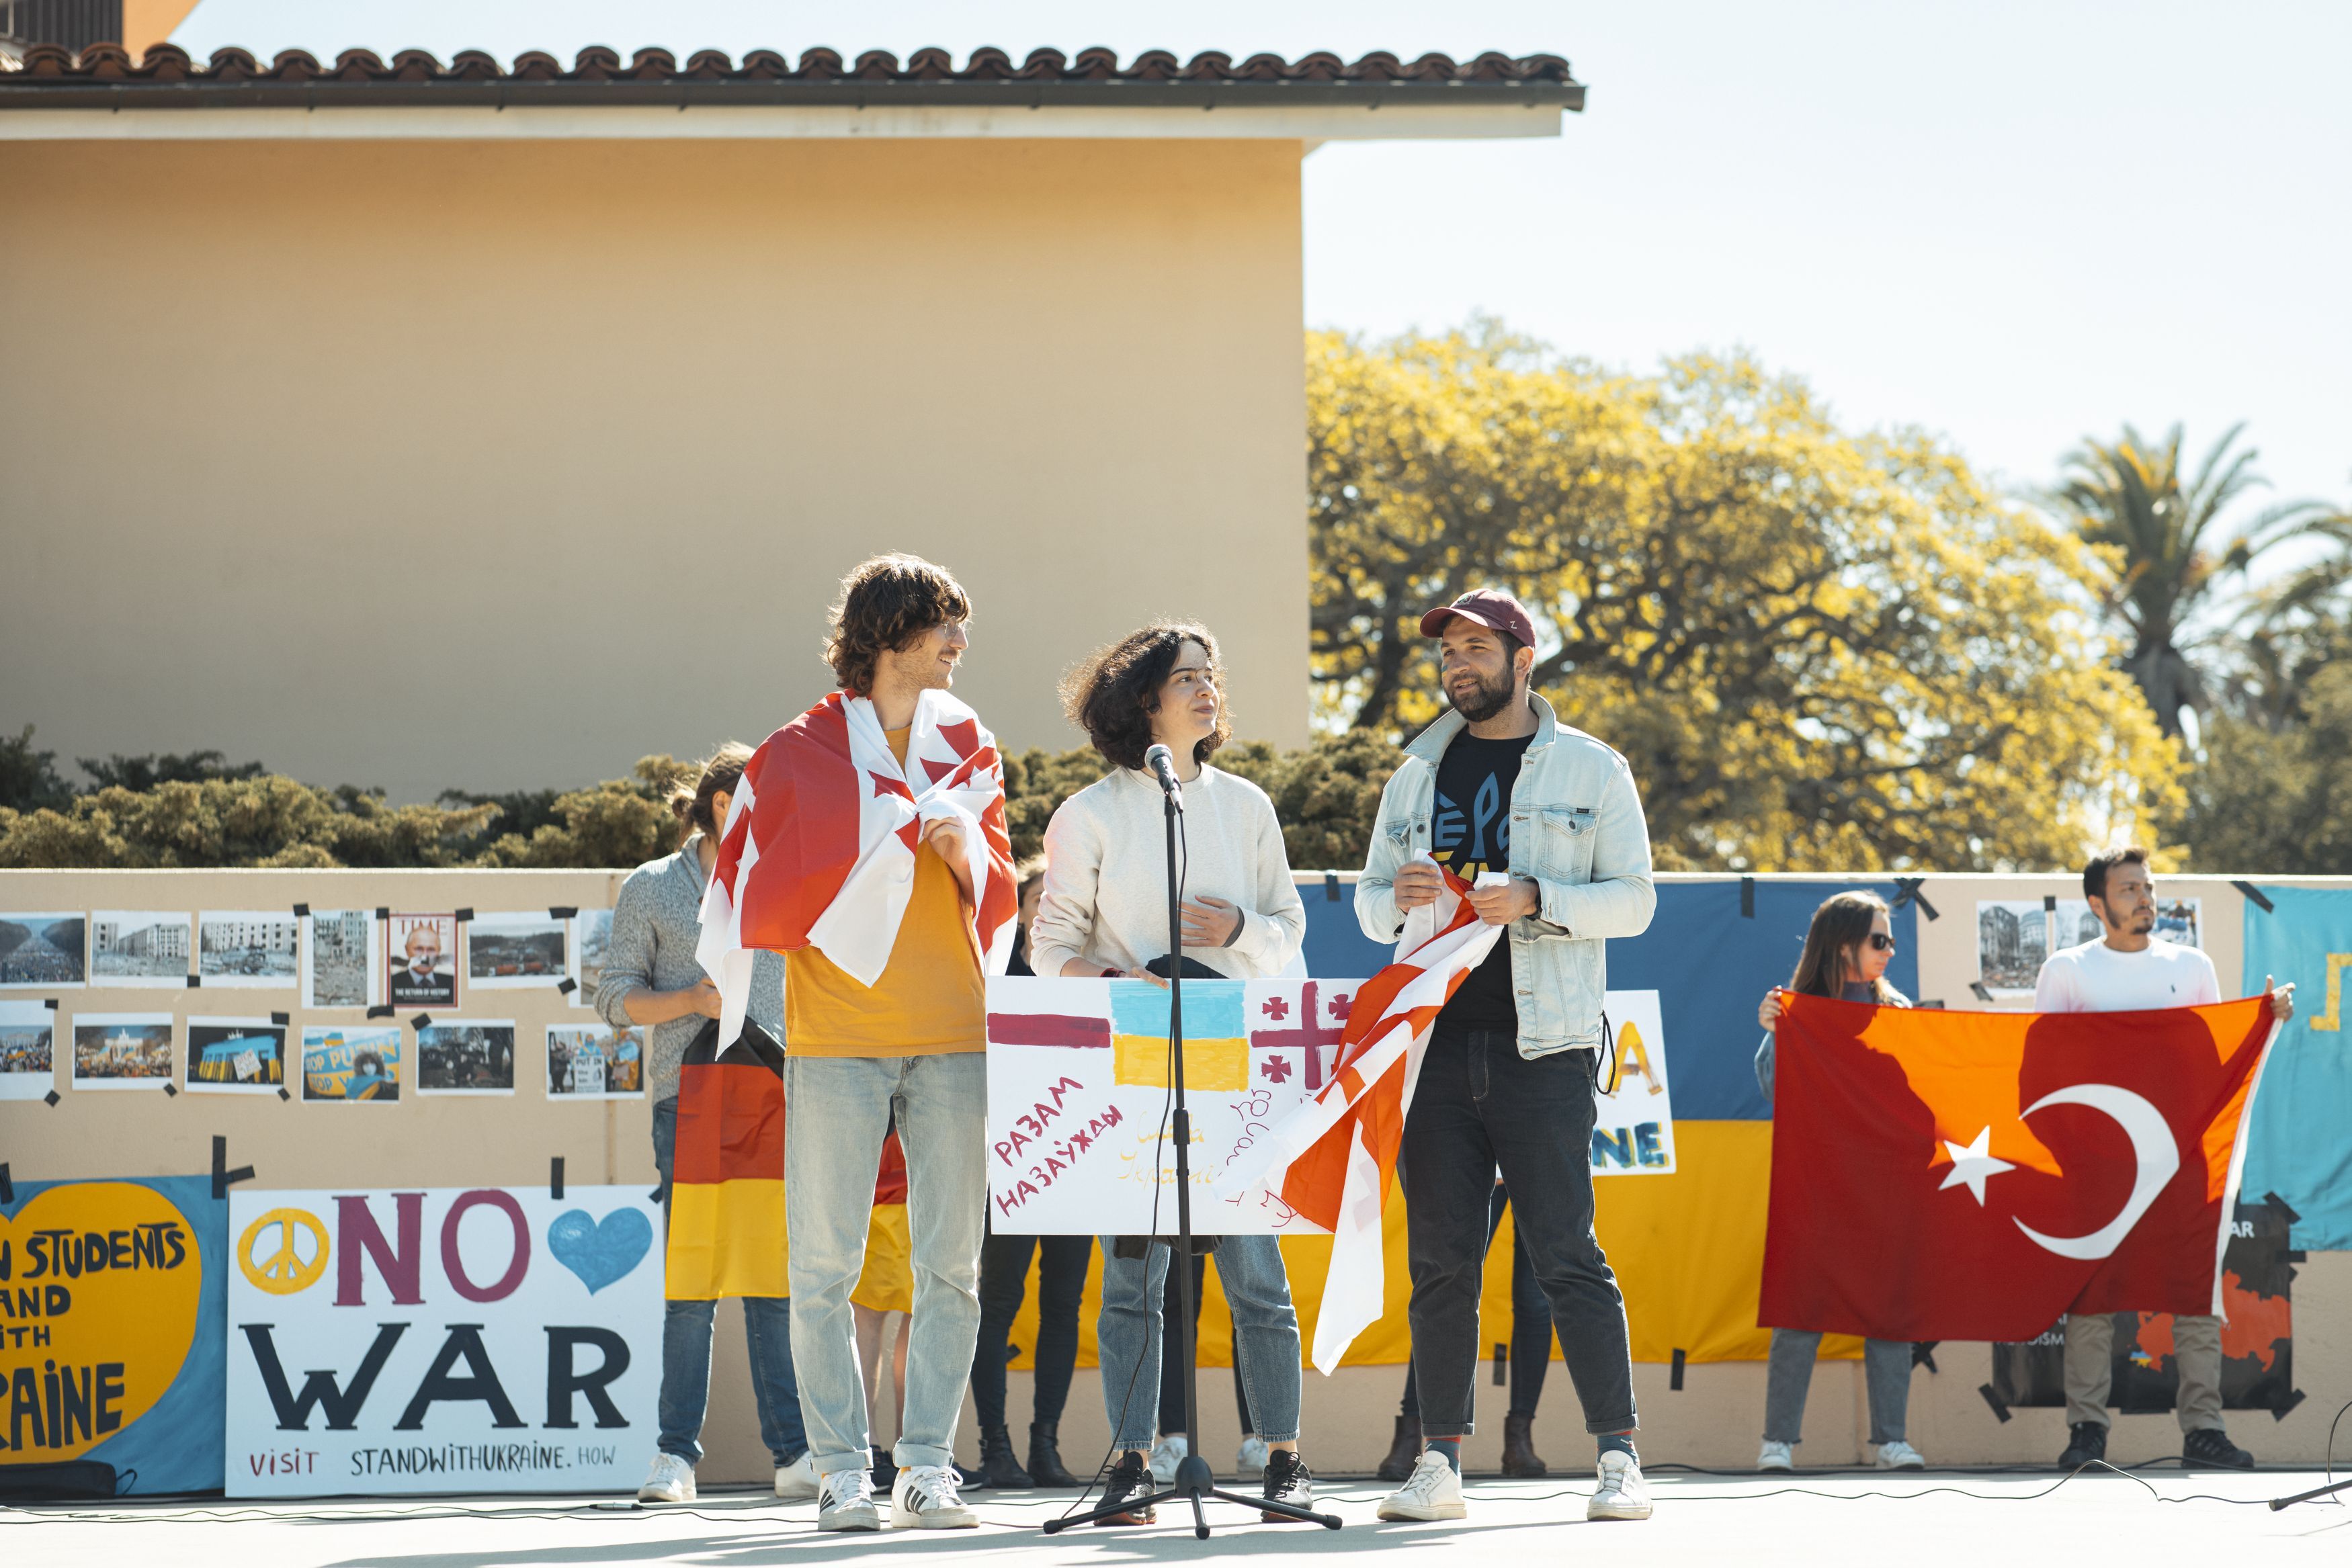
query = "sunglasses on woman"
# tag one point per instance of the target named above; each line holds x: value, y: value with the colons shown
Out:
x: 1880, y: 942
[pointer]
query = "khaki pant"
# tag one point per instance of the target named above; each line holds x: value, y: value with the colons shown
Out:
x: 2196, y: 1353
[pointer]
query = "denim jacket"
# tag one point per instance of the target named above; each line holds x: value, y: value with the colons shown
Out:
x: 1577, y: 829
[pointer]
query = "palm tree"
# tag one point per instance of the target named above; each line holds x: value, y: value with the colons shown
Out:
x: 2131, y: 495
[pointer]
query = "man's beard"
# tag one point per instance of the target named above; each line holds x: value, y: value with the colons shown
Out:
x: 1490, y: 698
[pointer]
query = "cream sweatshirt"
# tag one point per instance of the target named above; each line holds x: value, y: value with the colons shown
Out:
x: 1106, y: 897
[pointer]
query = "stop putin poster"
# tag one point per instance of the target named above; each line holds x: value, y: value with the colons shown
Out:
x: 112, y: 1310
x: 442, y: 1340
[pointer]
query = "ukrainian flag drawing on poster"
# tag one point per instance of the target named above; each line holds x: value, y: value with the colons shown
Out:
x: 1216, y: 1043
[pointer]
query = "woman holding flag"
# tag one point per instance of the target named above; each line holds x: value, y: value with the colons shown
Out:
x: 1105, y: 911
x: 1847, y: 949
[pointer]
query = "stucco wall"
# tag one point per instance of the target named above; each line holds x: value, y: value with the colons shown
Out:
x: 424, y: 464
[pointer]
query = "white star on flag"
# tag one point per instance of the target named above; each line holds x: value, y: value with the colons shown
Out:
x: 1972, y: 1165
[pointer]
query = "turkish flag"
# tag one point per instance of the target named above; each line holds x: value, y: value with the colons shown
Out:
x: 1971, y: 1176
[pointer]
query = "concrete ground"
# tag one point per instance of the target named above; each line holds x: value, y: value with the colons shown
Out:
x: 2012, y: 1521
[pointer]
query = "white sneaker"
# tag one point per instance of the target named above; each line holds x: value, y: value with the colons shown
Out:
x: 1166, y: 1454
x: 924, y: 1497
x: 1899, y: 1455
x: 1776, y: 1455
x: 1622, y: 1493
x: 796, y: 1482
x: 670, y: 1481
x: 1433, y: 1490
x: 844, y: 1501
x: 1250, y: 1463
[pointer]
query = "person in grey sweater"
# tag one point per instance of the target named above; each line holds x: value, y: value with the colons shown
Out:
x: 651, y: 978
x: 1847, y: 949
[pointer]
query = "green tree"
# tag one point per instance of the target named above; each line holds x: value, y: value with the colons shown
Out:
x: 2164, y: 548
x: 1817, y: 649
x: 29, y: 778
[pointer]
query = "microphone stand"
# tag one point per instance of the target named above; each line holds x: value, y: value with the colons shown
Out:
x: 1195, y: 1482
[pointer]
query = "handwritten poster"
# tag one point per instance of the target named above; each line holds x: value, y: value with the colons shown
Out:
x: 448, y: 1340
x: 1078, y: 1091
x: 111, y: 1296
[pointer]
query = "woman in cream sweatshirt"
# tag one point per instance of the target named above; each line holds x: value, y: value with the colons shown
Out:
x: 1105, y: 911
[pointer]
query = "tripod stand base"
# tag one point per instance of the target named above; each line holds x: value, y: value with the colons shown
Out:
x: 1196, y: 1484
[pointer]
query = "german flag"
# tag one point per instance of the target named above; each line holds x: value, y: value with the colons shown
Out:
x: 727, y: 1179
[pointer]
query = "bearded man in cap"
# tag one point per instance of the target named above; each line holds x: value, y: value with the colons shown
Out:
x: 1509, y: 1078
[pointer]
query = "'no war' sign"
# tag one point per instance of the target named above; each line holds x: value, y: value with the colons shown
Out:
x: 442, y: 1340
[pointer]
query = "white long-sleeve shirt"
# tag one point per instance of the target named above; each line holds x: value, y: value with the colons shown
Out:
x: 1106, y: 896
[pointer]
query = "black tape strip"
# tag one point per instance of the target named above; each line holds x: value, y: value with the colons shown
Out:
x: 555, y: 1178
x: 421, y: 1022
x: 1906, y: 891
x: 1502, y: 1364
x: 1994, y: 1400
x: 2048, y: 904
x: 195, y: 980
x: 2297, y: 1255
x: 382, y: 1012
x: 1979, y: 988
x: 222, y: 1176
x: 1331, y: 887
x: 282, y: 1092
x: 563, y: 910
x: 171, y: 1090
x: 384, y: 911
x: 1747, y: 898
x: 50, y: 1098
x: 51, y: 1004
x: 568, y: 985
x: 1937, y: 1004
x: 301, y: 911
x: 2254, y: 897
x: 2285, y: 1404
x: 466, y: 913
x: 660, y: 1194
x: 281, y: 1019
x: 1922, y: 1353
x: 7, y: 1187
x: 2285, y: 1208
x: 1674, y: 1378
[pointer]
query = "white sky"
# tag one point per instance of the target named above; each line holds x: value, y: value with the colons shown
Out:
x: 2014, y: 222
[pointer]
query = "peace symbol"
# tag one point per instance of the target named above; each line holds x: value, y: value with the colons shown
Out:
x: 283, y: 1272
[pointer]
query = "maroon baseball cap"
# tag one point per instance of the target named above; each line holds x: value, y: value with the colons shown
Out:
x: 1491, y: 608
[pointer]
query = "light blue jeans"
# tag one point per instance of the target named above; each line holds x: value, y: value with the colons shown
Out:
x: 1265, y: 1336
x: 837, y: 1110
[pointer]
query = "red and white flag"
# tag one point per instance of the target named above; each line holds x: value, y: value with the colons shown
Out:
x: 819, y: 846
x: 1332, y: 1158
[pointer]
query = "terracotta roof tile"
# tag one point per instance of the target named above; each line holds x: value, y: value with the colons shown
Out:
x: 105, y: 74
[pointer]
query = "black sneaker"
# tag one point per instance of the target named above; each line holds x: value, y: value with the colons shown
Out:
x: 1288, y: 1480
x: 1128, y: 1478
x: 2086, y: 1443
x: 2210, y: 1448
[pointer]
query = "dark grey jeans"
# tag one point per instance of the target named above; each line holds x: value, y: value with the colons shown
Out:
x: 1478, y: 1107
x: 1789, y: 1376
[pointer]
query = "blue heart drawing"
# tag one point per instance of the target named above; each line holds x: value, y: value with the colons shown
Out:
x: 599, y: 1253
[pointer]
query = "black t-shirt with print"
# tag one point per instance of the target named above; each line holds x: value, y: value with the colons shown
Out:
x: 1470, y: 832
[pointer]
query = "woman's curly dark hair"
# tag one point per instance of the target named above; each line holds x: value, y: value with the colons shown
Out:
x: 884, y: 604
x: 1113, y: 694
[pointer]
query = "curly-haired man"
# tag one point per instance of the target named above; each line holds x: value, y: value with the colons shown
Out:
x: 866, y: 842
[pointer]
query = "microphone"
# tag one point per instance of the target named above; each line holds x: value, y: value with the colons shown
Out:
x: 1162, y: 764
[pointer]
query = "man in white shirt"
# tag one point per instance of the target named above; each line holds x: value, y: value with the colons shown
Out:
x: 2130, y: 970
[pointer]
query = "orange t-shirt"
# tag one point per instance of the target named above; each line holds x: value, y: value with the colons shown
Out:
x: 931, y: 997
